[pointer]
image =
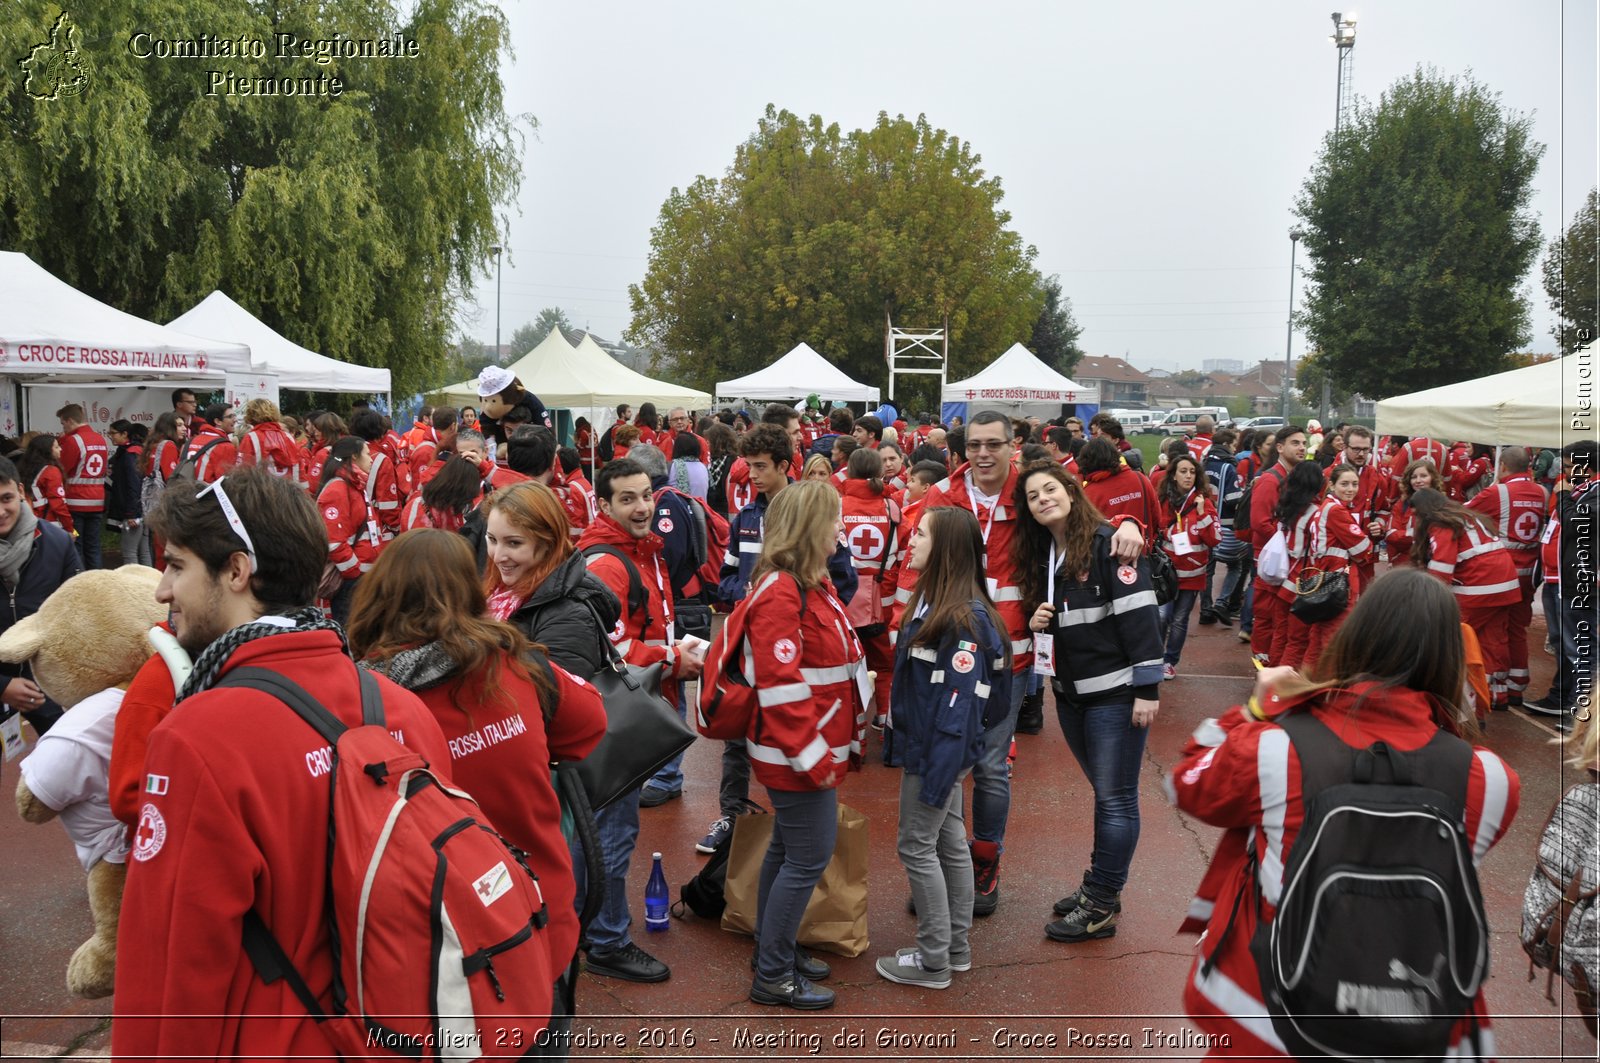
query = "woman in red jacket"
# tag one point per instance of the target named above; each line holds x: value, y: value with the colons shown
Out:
x: 353, y: 537
x: 420, y: 618
x: 40, y: 469
x: 1188, y: 519
x: 1420, y: 474
x: 1394, y: 674
x: 267, y: 444
x: 1456, y: 546
x: 1322, y: 535
x: 812, y: 689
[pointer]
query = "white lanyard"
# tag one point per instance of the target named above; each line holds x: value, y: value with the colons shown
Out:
x: 973, y: 502
x: 666, y: 599
x: 1052, y: 571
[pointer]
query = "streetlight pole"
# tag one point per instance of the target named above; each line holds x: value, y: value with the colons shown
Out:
x: 496, y: 249
x: 1288, y: 343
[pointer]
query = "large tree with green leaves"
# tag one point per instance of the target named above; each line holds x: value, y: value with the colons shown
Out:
x: 353, y: 224
x: 816, y: 235
x: 1417, y: 223
x: 1571, y: 273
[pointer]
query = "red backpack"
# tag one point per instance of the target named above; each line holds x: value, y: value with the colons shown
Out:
x: 433, y: 918
x: 727, y: 698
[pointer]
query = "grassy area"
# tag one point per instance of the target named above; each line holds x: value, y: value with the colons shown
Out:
x: 1149, y: 446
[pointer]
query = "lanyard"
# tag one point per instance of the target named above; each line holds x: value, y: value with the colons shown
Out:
x: 973, y: 502
x: 1052, y: 570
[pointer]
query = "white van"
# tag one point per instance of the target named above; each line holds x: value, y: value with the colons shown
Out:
x: 1134, y: 421
x: 1182, y: 420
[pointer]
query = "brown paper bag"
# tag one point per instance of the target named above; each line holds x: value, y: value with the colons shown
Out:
x: 836, y: 919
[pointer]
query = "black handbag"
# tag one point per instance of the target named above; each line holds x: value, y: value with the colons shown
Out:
x: 643, y: 730
x: 1320, y: 595
x: 1163, y: 576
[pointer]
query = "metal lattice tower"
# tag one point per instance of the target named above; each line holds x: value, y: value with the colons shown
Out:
x: 1344, y: 38
x: 912, y: 352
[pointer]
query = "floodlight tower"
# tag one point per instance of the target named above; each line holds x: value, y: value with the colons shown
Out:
x: 1344, y: 40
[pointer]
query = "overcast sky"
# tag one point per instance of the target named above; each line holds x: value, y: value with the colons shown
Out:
x: 1151, y: 151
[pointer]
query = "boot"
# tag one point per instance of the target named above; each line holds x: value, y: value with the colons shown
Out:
x: 985, y: 877
x: 1030, y: 718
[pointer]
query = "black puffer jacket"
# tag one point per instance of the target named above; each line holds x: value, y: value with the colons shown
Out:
x: 54, y: 560
x: 559, y: 617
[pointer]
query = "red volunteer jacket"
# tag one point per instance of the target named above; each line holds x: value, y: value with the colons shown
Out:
x: 1124, y: 493
x: 904, y: 578
x: 1515, y: 508
x: 1476, y: 565
x: 1415, y: 450
x: 47, y: 497
x: 1244, y: 776
x: 384, y: 495
x: 423, y: 454
x: 1463, y: 473
x: 399, y: 452
x: 316, y: 458
x: 1374, y: 495
x: 645, y: 636
x: 1263, y: 501
x: 669, y: 439
x: 1198, y: 445
x: 1402, y: 534
x: 998, y: 525
x: 233, y: 817
x: 741, y: 492
x: 84, y: 458
x: 353, y: 536
x: 219, y: 460
x: 1327, y: 537
x: 269, y: 446
x: 871, y: 532
x: 1197, y: 516
x: 811, y: 686
x: 490, y: 753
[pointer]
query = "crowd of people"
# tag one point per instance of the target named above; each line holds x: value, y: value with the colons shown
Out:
x: 923, y: 579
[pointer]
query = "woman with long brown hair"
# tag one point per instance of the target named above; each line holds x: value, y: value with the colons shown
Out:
x: 420, y: 617
x: 1096, y: 620
x: 952, y: 661
x: 1420, y: 474
x: 1392, y: 677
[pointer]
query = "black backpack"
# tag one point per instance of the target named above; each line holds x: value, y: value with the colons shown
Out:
x: 1380, y: 942
x: 1241, y: 516
x: 637, y: 601
x: 703, y: 894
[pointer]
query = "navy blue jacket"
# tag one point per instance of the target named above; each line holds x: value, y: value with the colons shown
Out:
x: 673, y: 522
x: 744, y: 549
x: 54, y: 560
x: 939, y: 698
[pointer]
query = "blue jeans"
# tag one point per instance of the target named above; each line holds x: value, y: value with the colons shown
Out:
x: 90, y: 526
x: 804, y: 826
x: 1574, y: 631
x: 670, y: 777
x: 1236, y: 569
x: 618, y: 826
x: 1110, y: 751
x: 991, y: 784
x: 1175, y: 622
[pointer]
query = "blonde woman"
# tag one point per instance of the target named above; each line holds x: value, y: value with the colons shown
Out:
x: 267, y: 443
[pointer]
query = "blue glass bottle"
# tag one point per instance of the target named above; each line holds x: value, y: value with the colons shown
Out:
x: 656, y: 901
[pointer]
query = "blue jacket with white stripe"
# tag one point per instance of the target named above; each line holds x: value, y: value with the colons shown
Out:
x: 1108, y: 631
x: 744, y: 548
x: 940, y: 697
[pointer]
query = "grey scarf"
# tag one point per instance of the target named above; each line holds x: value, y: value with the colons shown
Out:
x: 416, y: 669
x: 17, y: 545
x: 209, y: 664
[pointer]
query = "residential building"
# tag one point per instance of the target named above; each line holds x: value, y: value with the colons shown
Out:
x: 1120, y: 384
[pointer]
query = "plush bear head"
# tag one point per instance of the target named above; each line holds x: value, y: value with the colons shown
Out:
x: 89, y: 635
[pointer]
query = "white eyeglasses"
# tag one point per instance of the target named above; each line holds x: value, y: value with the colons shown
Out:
x: 215, y: 488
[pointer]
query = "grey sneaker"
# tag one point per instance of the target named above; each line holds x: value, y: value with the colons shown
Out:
x: 906, y: 968
x: 961, y: 961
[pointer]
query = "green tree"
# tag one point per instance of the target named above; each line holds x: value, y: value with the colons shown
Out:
x: 531, y: 335
x: 1055, y: 332
x: 354, y: 225
x: 1309, y: 373
x: 816, y: 235
x: 1419, y: 233
x: 1571, y: 269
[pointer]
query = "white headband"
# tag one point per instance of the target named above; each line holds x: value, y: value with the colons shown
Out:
x: 215, y: 487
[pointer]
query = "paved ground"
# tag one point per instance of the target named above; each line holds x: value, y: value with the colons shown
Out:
x: 1026, y: 997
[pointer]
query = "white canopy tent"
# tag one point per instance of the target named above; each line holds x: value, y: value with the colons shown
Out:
x: 1546, y: 405
x: 585, y: 376
x: 293, y: 365
x: 1016, y: 380
x: 797, y: 374
x: 51, y: 331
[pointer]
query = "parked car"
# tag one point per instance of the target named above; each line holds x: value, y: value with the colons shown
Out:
x: 1270, y: 424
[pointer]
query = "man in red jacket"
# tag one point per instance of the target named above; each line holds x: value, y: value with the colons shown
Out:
x: 1271, y: 611
x: 1516, y: 507
x: 1374, y: 495
x: 625, y: 554
x: 234, y: 812
x: 215, y: 427
x: 85, y: 463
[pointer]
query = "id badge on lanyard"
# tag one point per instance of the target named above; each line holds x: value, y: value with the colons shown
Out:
x: 1044, y: 642
x: 11, y: 735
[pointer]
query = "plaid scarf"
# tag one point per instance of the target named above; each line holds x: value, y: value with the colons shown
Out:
x: 208, y: 666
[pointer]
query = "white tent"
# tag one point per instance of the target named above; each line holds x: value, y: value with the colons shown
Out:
x: 1019, y: 378
x: 51, y: 331
x: 1546, y: 405
x: 293, y: 365
x: 797, y: 374
x: 567, y: 377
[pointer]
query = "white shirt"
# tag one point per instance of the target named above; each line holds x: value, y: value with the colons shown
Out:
x: 70, y: 771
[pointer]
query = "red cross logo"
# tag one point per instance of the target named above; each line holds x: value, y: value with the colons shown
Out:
x: 201, y: 362
x: 145, y: 834
x: 865, y: 542
x: 484, y: 887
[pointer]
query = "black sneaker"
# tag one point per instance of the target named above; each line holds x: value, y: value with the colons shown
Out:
x: 1030, y: 718
x: 1086, y: 922
x: 1207, y: 618
x: 792, y: 992
x: 806, y: 965
x: 1077, y: 897
x: 1549, y: 705
x: 629, y: 963
x: 651, y: 796
x: 1224, y: 616
x: 985, y: 887
x: 1563, y: 723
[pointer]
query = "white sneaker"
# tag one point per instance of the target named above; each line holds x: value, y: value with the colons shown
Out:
x: 906, y: 968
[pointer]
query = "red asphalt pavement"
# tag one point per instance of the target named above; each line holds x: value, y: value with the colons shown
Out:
x: 1026, y: 997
